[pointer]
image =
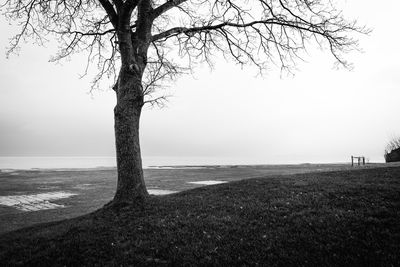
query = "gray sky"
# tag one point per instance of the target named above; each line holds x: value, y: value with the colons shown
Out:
x: 319, y: 115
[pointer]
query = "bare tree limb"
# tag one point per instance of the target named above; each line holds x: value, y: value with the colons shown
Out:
x: 166, y: 6
x: 112, y: 14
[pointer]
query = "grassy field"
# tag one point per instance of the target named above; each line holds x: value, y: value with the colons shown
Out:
x: 336, y: 218
x: 95, y: 187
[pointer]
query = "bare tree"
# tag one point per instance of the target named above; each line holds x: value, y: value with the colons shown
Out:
x: 143, y: 43
x: 392, y: 149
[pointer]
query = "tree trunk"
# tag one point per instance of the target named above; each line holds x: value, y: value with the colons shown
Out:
x: 130, y: 185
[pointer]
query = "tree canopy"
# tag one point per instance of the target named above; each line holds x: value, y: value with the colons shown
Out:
x: 184, y: 32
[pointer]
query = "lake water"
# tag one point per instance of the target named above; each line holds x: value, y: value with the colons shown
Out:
x: 94, y: 162
x: 55, y: 162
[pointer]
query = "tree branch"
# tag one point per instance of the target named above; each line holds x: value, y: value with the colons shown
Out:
x: 257, y: 32
x: 112, y: 14
x: 273, y: 21
x: 166, y: 6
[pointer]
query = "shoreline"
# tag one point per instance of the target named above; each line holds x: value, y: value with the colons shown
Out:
x: 92, y: 188
x: 27, y: 163
x: 198, y: 166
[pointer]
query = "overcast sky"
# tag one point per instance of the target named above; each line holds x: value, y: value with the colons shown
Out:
x: 319, y: 115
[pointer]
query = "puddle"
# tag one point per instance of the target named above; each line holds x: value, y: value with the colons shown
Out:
x: 208, y: 182
x: 35, y: 202
x: 160, y: 192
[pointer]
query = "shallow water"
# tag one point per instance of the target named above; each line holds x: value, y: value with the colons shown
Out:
x: 148, y: 162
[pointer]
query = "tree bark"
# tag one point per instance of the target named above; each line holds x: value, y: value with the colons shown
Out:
x: 130, y: 186
x: 133, y: 49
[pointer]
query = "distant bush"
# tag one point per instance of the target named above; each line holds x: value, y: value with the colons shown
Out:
x: 392, y: 150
